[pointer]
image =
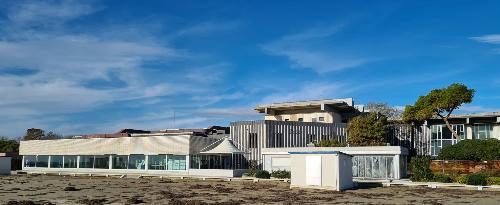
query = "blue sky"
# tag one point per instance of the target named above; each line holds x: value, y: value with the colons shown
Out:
x: 78, y: 67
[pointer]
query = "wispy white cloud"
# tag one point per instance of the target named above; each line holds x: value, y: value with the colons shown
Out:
x: 492, y: 38
x: 307, y: 50
x: 38, y: 35
x: 309, y: 91
x: 207, y: 27
x: 476, y: 109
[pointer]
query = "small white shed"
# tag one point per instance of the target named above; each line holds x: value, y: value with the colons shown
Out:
x: 321, y: 169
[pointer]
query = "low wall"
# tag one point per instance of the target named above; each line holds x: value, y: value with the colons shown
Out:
x: 463, y: 166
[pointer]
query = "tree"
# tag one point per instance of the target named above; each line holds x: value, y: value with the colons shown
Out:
x: 39, y: 134
x: 367, y: 130
x: 51, y: 135
x: 383, y: 108
x: 439, y: 102
x: 34, y: 134
x: 8, y: 145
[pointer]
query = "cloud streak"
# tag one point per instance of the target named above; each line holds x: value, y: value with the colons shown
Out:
x: 309, y: 50
x: 492, y: 39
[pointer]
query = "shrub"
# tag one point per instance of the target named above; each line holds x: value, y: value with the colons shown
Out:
x: 330, y: 143
x: 476, y: 179
x: 477, y: 150
x: 251, y: 170
x: 462, y: 179
x: 367, y: 130
x: 493, y: 181
x: 281, y: 174
x: 443, y: 178
x: 262, y: 174
x: 420, y: 169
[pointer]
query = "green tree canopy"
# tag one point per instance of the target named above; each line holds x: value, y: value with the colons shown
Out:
x: 8, y: 145
x: 440, y: 103
x: 367, y: 130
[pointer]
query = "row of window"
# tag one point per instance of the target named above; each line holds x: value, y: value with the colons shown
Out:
x: 320, y: 119
x: 442, y: 137
x: 138, y: 162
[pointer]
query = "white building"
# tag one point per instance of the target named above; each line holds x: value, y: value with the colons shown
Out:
x: 141, y: 154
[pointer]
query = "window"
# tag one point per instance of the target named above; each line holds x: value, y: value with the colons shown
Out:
x: 321, y: 119
x: 482, y: 131
x: 286, y: 120
x: 56, y: 161
x: 42, y: 161
x: 87, y: 162
x: 70, y: 161
x: 442, y: 137
x: 137, y: 161
x: 157, y: 162
x: 119, y: 162
x: 313, y: 119
x: 176, y: 162
x: 301, y: 119
x: 252, y: 140
x: 29, y: 161
x: 101, y: 162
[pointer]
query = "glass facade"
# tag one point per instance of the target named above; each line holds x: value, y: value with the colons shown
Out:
x: 120, y: 162
x: 157, y: 162
x: 42, y: 161
x: 86, y: 161
x: 442, y: 137
x: 70, y: 161
x: 482, y: 131
x: 101, y: 162
x: 56, y: 161
x: 379, y: 167
x: 176, y: 162
x: 137, y: 162
x: 29, y: 161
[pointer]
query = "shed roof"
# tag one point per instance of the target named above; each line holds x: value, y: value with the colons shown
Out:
x: 224, y: 147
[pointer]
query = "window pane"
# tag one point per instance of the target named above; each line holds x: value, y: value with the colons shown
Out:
x: 87, y: 162
x: 56, y: 161
x: 70, y: 161
x: 137, y: 162
x: 101, y: 162
x: 157, y: 162
x: 42, y: 161
x: 176, y: 162
x: 29, y: 161
x: 120, y: 162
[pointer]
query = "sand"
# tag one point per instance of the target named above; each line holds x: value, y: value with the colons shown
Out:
x: 22, y: 189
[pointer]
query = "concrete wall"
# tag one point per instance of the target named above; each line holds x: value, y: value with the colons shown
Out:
x: 5, y: 163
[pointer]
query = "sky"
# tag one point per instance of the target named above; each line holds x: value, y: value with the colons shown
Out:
x: 80, y: 67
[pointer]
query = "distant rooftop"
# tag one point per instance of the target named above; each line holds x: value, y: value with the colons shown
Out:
x: 345, y: 103
x: 472, y: 115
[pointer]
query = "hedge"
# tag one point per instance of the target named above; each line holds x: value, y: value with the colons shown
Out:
x: 476, y: 150
x: 281, y: 174
x: 420, y: 169
x: 262, y: 174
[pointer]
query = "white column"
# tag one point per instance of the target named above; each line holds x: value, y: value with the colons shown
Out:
x: 110, y: 162
x: 396, y: 161
x: 187, y: 162
x: 146, y: 161
x: 49, y: 160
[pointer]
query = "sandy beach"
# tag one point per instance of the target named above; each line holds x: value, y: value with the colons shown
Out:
x: 22, y: 189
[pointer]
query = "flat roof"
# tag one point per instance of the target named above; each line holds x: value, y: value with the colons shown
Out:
x: 340, y: 103
x: 319, y: 152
